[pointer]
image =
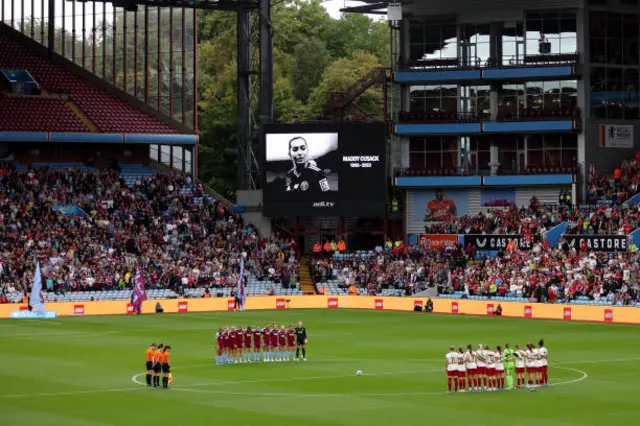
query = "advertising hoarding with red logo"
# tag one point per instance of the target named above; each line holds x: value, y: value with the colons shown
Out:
x: 379, y: 304
x: 231, y: 305
x: 130, y: 309
x: 280, y: 304
x: 454, y: 307
x: 528, y: 311
x: 566, y: 313
x: 437, y: 241
x: 78, y: 309
x: 332, y: 302
x: 183, y: 307
x: 608, y: 315
x: 490, y: 309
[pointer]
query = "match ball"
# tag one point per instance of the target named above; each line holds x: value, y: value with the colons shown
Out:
x: 359, y: 373
x: 170, y: 378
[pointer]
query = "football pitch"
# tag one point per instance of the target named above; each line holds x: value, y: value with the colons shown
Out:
x: 88, y: 371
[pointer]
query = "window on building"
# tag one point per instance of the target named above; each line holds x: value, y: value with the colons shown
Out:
x: 475, y: 44
x: 552, y: 150
x: 513, y: 44
x: 433, y: 152
x: 433, y: 39
x: 559, y: 29
x: 426, y: 99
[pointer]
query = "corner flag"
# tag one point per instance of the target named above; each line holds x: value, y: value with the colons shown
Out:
x: 139, y: 292
x: 36, y: 300
x: 241, y: 292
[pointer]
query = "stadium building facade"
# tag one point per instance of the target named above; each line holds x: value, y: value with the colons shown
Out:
x: 500, y: 101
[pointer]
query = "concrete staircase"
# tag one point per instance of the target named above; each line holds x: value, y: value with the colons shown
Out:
x: 82, y: 116
x: 306, y: 283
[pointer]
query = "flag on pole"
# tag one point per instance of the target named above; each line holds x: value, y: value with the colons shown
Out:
x: 241, y: 292
x: 36, y: 301
x: 139, y: 293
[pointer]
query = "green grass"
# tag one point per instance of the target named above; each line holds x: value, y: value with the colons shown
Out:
x: 78, y: 371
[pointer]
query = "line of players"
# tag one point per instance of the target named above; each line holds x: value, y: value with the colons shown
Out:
x: 487, y: 370
x: 255, y: 344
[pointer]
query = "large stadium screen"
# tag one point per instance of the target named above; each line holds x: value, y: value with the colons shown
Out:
x: 324, y: 170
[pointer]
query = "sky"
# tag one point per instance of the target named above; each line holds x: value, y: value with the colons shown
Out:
x: 332, y: 6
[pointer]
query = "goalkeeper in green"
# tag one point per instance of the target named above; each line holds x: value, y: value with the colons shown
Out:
x: 509, y: 365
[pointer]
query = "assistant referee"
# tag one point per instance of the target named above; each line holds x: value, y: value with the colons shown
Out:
x: 301, y: 341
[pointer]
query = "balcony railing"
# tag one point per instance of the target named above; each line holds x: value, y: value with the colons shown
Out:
x: 527, y: 114
x: 502, y: 171
x: 507, y: 62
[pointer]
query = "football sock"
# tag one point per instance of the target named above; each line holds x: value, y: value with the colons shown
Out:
x: 304, y: 353
x: 148, y: 379
x: 297, y: 352
x: 455, y: 383
x: 165, y: 382
x: 449, y: 383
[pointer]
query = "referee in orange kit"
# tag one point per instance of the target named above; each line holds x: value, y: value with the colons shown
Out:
x: 149, y: 363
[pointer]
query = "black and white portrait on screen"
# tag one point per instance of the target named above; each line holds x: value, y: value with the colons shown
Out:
x: 301, y: 163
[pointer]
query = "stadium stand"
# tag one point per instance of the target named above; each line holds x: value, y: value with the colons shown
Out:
x: 185, y: 240
x: 106, y: 112
x: 25, y: 113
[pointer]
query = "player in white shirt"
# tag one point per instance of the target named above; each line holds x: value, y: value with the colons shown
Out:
x: 544, y: 357
x: 451, y: 362
x: 482, y: 367
x: 530, y: 364
x: 499, y: 358
x: 462, y: 371
x: 489, y: 356
x: 520, y: 359
x: 472, y: 369
x: 537, y: 359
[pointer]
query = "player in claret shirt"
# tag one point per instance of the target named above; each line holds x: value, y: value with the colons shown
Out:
x: 240, y: 344
x: 282, y: 343
x: 247, y: 344
x: 274, y: 342
x: 267, y: 354
x: 291, y: 343
x: 257, y: 336
x: 219, y: 347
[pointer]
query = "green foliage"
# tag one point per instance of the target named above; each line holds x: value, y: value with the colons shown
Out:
x: 314, y: 55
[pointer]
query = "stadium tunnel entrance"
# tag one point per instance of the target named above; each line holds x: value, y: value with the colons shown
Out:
x: 357, y: 233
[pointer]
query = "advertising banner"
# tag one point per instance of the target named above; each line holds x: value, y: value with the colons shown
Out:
x: 130, y: 309
x: 490, y: 309
x: 417, y: 304
x: 324, y: 170
x: 280, y: 304
x: 616, y: 136
x: 332, y: 302
x: 231, y: 305
x: 454, y: 307
x: 33, y: 315
x: 379, y: 304
x: 78, y: 310
x: 437, y: 241
x: 566, y: 314
x: 608, y: 315
x: 528, y: 312
x: 183, y: 307
x: 500, y: 242
x: 605, y: 243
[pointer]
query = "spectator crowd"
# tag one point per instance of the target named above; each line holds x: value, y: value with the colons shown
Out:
x: 181, y: 237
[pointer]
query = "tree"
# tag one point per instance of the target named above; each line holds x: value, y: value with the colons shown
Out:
x: 338, y: 77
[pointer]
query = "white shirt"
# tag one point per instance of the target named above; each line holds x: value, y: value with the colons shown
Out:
x: 536, y: 358
x: 490, y: 357
x: 519, y: 359
x: 470, y: 360
x: 480, y: 353
x: 529, y: 359
x: 452, y: 359
x: 544, y: 354
x: 499, y: 362
x: 461, y: 366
